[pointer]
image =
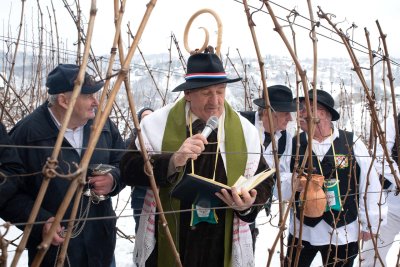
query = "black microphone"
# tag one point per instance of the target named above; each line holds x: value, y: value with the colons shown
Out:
x: 212, y: 124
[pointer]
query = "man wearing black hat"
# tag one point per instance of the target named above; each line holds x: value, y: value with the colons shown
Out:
x: 281, y: 101
x: 93, y: 241
x: 282, y: 104
x: 206, y: 237
x: 344, y: 162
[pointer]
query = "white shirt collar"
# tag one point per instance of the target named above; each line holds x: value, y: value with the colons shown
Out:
x: 321, y: 148
x: 74, y: 137
x: 58, y: 124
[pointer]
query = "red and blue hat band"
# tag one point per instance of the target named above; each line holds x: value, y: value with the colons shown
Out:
x: 215, y: 75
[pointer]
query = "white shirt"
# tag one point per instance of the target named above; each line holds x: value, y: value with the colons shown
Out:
x: 320, y: 234
x: 392, y: 200
x: 284, y: 161
x: 74, y: 137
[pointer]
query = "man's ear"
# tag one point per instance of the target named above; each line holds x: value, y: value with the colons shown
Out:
x: 187, y: 96
x: 325, y: 114
x: 63, y: 100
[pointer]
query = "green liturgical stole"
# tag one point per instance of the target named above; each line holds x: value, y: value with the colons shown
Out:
x: 174, y: 136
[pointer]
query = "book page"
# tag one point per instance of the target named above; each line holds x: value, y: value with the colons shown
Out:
x: 251, y: 182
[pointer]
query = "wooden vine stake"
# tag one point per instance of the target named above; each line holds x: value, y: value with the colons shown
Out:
x: 79, y: 178
x: 48, y: 169
x: 77, y: 183
x: 122, y: 75
x: 4, y: 245
x: 3, y: 107
x: 371, y: 102
x: 148, y: 167
x: 312, y: 120
x: 391, y: 80
x: 269, y: 114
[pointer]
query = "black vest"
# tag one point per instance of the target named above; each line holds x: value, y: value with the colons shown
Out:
x: 249, y: 115
x: 349, y: 205
x: 395, y: 155
x: 282, y: 144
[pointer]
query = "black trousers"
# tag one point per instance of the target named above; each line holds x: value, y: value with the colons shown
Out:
x: 345, y: 254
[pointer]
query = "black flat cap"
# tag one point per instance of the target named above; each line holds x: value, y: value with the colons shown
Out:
x: 62, y: 78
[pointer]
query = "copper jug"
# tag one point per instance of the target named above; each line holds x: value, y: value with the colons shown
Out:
x: 316, y: 199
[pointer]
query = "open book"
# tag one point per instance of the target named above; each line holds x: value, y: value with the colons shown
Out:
x: 199, y: 190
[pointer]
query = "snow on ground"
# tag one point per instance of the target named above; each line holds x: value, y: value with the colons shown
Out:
x: 124, y: 248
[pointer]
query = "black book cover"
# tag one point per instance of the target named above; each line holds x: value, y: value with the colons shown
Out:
x: 199, y: 190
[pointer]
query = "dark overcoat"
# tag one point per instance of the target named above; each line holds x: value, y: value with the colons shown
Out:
x: 10, y: 168
x: 94, y: 246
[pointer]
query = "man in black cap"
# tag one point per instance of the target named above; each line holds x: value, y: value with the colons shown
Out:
x: 344, y: 161
x: 205, y: 237
x: 93, y: 241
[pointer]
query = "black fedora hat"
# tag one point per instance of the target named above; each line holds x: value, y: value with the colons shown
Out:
x: 62, y: 79
x: 326, y: 100
x: 204, y: 69
x: 280, y: 98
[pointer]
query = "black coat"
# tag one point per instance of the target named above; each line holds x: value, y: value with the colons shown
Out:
x: 94, y: 246
x: 10, y: 167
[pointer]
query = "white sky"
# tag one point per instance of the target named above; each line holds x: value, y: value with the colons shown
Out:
x: 172, y: 15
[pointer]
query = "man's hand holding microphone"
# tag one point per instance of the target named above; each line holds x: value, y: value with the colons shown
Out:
x: 194, y: 145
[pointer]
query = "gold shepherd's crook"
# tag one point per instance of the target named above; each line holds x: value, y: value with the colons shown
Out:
x: 205, y: 44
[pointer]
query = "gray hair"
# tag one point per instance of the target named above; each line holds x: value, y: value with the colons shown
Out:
x: 328, y: 113
x: 52, y: 99
x: 260, y: 112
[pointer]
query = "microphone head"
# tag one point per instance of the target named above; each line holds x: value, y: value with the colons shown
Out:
x: 212, y: 122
